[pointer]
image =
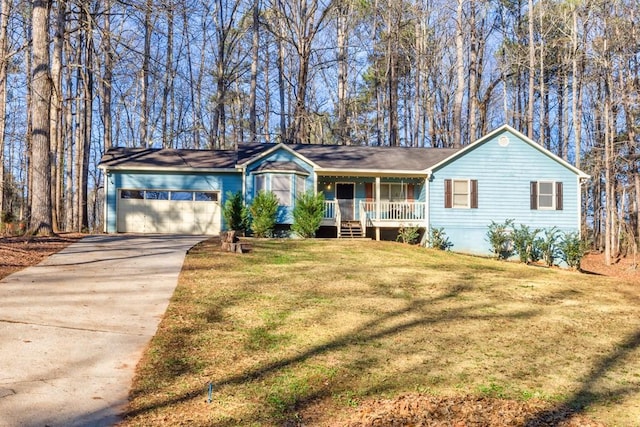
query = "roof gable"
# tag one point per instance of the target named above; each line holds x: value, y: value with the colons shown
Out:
x: 490, y: 136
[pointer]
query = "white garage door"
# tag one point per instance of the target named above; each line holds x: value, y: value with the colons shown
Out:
x: 172, y: 212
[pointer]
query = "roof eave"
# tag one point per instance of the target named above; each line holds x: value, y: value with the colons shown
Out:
x: 107, y: 168
x: 370, y: 172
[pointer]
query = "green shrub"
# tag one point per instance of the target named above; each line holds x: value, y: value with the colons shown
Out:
x: 526, y: 244
x: 235, y: 213
x: 438, y: 239
x: 308, y: 214
x: 572, y: 249
x: 549, y: 245
x: 499, y: 237
x: 408, y: 235
x: 264, y: 211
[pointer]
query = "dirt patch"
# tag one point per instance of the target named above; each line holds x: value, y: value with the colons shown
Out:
x: 20, y: 252
x: 464, y: 411
x: 623, y: 268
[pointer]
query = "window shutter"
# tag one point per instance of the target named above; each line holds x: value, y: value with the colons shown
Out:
x: 368, y: 191
x: 558, y: 196
x: 448, y: 194
x: 534, y: 195
x: 474, y: 194
x: 410, y: 192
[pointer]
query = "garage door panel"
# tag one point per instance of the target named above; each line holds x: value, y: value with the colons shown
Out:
x: 168, y: 216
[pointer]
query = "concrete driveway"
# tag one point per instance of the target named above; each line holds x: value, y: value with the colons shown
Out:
x: 73, y: 328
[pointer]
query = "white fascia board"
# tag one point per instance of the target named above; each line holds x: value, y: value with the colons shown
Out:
x: 171, y: 169
x: 519, y: 135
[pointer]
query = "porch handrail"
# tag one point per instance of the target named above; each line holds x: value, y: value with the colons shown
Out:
x: 329, y: 209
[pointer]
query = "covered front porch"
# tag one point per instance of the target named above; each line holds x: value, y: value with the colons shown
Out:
x: 355, y: 205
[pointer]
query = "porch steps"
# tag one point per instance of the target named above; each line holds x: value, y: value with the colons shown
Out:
x: 351, y: 230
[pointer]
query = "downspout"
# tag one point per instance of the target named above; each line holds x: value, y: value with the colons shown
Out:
x: 581, y: 181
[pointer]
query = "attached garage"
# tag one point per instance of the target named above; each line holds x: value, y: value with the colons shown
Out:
x: 167, y: 191
x: 170, y: 212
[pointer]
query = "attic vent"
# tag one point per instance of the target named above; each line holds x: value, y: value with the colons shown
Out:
x: 503, y: 141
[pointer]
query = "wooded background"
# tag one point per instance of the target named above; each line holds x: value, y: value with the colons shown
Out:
x: 77, y: 77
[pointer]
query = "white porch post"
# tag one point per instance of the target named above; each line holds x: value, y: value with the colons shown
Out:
x: 315, y: 183
x: 105, y: 205
x: 427, y: 210
x: 378, y: 206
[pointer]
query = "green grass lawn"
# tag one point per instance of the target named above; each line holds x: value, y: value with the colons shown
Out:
x: 309, y: 329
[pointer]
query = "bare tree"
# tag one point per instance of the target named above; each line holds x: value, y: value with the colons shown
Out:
x: 5, y: 10
x: 41, y: 219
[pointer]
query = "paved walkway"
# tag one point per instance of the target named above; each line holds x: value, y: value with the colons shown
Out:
x: 73, y: 328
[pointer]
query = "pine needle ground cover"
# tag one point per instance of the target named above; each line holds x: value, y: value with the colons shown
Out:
x: 310, y: 331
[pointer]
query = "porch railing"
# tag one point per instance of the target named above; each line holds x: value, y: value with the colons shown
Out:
x: 394, y: 211
x: 330, y: 209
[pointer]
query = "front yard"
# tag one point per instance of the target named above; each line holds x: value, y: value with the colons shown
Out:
x: 310, y: 332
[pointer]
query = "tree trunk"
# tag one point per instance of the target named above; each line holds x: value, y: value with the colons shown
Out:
x: 144, y: 76
x: 532, y: 67
x: 393, y: 44
x: 5, y: 10
x: 456, y: 121
x: 167, y: 91
x: 343, y: 13
x: 57, y: 145
x: 107, y: 77
x: 41, y: 219
x: 253, y: 86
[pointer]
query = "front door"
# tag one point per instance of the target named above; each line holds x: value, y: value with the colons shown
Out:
x: 345, y: 195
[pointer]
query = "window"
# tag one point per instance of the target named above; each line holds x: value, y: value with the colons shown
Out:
x: 461, y: 193
x: 546, y: 195
x: 156, y: 195
x: 300, y: 185
x: 182, y: 195
x: 131, y: 194
x: 281, y: 187
x: 393, y: 192
x: 206, y: 196
x: 259, y: 182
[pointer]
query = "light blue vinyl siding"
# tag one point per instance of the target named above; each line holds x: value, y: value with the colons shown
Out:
x: 285, y: 213
x: 130, y: 180
x: 504, y: 174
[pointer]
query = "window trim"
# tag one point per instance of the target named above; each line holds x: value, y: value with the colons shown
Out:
x: 471, y: 194
x: 404, y: 191
x: 551, y: 207
x: 289, y: 200
x: 557, y: 195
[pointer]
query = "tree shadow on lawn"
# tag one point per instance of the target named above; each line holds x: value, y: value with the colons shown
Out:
x: 368, y: 332
x: 585, y: 396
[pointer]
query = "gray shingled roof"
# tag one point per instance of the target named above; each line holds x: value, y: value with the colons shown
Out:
x: 332, y: 157
x: 140, y: 158
x: 373, y: 158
